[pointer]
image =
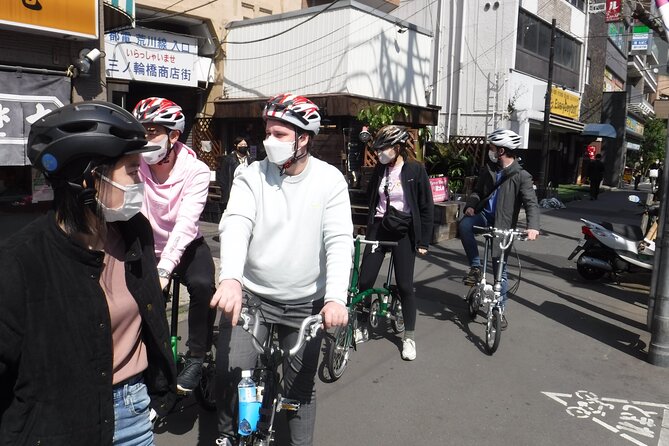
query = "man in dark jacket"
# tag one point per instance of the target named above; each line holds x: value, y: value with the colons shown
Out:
x: 502, y: 187
x: 226, y: 168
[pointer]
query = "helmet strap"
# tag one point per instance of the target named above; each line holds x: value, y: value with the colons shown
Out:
x: 166, y: 158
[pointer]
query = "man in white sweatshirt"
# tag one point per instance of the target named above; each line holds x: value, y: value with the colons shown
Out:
x: 286, y: 238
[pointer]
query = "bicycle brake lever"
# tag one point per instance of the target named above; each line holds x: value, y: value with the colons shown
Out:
x: 246, y: 318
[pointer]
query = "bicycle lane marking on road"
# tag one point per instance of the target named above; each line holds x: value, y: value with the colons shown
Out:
x: 635, y: 421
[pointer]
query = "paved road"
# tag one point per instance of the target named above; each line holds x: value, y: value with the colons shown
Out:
x: 569, y: 343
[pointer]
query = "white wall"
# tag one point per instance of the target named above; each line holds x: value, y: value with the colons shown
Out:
x: 344, y: 50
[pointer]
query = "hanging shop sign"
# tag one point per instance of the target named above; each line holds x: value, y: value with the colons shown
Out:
x: 564, y: 103
x: 634, y: 126
x: 640, y: 38
x: 24, y: 98
x: 613, y: 11
x: 148, y: 55
x: 74, y: 18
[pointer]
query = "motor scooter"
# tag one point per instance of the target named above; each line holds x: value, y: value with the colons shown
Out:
x: 614, y: 248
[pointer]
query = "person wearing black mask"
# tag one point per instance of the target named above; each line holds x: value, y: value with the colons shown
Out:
x: 226, y: 169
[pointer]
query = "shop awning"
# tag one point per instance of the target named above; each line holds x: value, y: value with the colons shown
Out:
x: 599, y: 130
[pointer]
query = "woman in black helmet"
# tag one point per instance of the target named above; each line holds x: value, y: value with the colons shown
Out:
x: 84, y: 342
x: 401, y: 182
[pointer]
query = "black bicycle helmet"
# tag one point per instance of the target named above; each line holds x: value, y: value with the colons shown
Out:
x: 68, y: 142
x: 389, y: 136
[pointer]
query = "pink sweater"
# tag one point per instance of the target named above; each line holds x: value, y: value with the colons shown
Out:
x: 174, y: 207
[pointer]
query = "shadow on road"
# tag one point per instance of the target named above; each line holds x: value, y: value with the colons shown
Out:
x: 183, y: 419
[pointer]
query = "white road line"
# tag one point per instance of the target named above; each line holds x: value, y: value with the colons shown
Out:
x: 641, y: 403
x: 606, y: 425
x: 664, y: 430
x: 633, y: 440
x: 614, y: 400
x: 554, y: 396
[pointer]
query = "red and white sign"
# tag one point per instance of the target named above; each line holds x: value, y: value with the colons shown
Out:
x: 613, y: 11
x: 439, y: 188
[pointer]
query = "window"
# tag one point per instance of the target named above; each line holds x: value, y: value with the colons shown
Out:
x: 534, y: 36
x: 580, y: 4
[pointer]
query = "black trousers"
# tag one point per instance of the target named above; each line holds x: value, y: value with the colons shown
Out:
x: 196, y: 270
x: 404, y: 257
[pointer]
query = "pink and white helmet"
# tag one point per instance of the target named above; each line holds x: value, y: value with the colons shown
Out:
x: 160, y: 111
x: 295, y: 110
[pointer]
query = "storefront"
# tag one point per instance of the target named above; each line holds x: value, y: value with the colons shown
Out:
x: 144, y: 62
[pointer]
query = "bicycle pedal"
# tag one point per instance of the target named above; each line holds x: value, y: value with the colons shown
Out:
x: 288, y: 404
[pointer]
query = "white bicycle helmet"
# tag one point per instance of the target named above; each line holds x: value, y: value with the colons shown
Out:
x: 160, y: 111
x: 507, y: 139
x: 295, y: 110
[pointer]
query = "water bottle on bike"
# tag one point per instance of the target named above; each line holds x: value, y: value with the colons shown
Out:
x: 249, y: 406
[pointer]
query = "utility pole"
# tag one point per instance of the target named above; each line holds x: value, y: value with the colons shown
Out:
x: 658, y: 305
x: 546, y: 137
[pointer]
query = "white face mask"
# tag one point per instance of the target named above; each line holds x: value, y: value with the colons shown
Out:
x: 492, y: 154
x: 133, y: 197
x: 278, y: 152
x: 387, y: 156
x: 157, y: 156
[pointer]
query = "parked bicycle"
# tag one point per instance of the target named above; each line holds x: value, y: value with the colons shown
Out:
x: 266, y: 374
x: 380, y: 303
x: 205, y: 392
x: 486, y: 297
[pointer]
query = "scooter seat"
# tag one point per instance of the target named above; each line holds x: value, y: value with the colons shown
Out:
x: 630, y: 232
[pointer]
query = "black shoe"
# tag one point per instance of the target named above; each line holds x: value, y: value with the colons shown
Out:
x: 504, y: 324
x: 473, y: 276
x: 189, y: 378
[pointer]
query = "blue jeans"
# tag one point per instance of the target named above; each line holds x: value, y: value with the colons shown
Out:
x: 468, y: 239
x: 132, y: 426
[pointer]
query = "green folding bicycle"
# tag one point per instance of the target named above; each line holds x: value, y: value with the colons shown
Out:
x: 381, y: 303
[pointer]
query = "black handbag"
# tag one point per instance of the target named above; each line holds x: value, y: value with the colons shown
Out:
x: 396, y: 223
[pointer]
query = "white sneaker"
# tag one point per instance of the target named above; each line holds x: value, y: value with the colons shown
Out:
x: 408, y: 349
x: 361, y: 335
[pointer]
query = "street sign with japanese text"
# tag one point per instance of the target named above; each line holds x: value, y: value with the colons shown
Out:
x: 146, y: 55
x: 74, y: 18
x: 613, y: 11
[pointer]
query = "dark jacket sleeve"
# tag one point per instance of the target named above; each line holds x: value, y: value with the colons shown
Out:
x: 12, y: 321
x: 529, y: 198
x: 426, y: 208
x: 226, y: 178
x: 479, y: 190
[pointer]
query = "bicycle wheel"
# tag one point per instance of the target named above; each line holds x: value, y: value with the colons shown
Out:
x: 374, y: 308
x: 473, y: 302
x: 398, y: 316
x: 205, y: 392
x: 493, y: 331
x: 340, y: 351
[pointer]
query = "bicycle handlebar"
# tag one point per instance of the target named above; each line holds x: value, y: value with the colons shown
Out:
x: 375, y: 243
x: 308, y: 330
x: 511, y: 234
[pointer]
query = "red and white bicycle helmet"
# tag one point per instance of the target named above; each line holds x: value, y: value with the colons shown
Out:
x: 160, y: 111
x: 507, y: 139
x: 296, y: 110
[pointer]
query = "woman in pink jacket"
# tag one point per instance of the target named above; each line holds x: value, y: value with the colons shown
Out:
x: 176, y: 188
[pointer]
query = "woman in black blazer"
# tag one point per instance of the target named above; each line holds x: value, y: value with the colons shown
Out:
x: 401, y: 182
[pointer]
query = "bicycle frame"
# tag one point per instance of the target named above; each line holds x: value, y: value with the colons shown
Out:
x: 267, y: 375
x: 484, y: 294
x: 355, y: 295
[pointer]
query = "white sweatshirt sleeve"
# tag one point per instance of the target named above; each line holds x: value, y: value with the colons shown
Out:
x: 338, y: 240
x: 235, y: 229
